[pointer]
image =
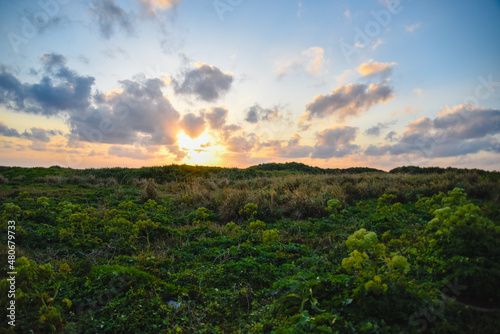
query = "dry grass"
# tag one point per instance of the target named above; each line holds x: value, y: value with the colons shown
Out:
x: 298, y: 196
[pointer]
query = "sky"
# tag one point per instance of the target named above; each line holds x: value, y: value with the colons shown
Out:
x: 236, y: 83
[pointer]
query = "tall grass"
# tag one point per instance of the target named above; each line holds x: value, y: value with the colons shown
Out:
x: 299, y: 195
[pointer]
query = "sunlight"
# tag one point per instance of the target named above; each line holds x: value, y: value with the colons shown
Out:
x: 198, y: 149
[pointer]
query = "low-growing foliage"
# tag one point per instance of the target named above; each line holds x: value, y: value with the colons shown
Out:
x: 279, y: 248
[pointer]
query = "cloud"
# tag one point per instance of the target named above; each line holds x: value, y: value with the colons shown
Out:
x: 418, y: 91
x: 179, y: 154
x: 376, y: 129
x: 292, y: 149
x: 60, y: 89
x: 206, y: 82
x: 372, y: 68
x: 109, y: 16
x: 228, y: 130
x: 390, y: 136
x: 192, y: 125
x: 38, y: 146
x: 138, y: 113
x: 457, y: 131
x: 115, y: 52
x: 335, y: 142
x: 133, y: 153
x: 413, y: 27
x: 349, y: 100
x: 377, y: 43
x: 39, y: 134
x: 51, y: 60
x: 154, y: 5
x: 315, y: 60
x: 240, y: 144
x: 216, y: 117
x: 256, y: 113
x: 288, y: 66
x: 8, y: 132
x: 311, y: 61
x: 299, y: 11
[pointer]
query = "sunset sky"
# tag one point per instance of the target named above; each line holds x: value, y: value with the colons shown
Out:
x: 235, y: 83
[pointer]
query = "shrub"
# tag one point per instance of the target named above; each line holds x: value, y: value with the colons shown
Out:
x: 464, y: 244
x: 232, y: 229
x: 333, y: 206
x: 149, y: 191
x: 256, y: 226
x: 250, y: 210
x: 270, y: 236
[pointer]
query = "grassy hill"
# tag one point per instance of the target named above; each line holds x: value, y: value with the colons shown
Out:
x: 273, y: 248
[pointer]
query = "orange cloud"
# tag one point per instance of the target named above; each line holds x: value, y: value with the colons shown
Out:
x: 372, y: 68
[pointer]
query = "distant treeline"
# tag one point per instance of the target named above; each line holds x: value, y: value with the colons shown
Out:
x: 169, y: 173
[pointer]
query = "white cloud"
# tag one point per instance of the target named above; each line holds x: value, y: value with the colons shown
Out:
x: 413, y: 27
x: 311, y: 61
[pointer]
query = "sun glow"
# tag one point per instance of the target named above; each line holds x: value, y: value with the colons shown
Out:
x: 200, y: 150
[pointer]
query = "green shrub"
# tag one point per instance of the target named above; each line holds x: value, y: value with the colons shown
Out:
x: 270, y: 236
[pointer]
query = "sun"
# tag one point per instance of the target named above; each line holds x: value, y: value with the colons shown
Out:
x: 199, y: 150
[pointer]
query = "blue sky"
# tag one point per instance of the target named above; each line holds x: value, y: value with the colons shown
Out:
x: 380, y: 83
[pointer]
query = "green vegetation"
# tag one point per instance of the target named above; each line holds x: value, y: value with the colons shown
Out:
x: 275, y: 248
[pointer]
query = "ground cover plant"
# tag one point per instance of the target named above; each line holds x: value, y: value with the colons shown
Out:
x: 275, y: 248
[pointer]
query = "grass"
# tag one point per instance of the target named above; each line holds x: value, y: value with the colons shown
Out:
x: 124, y: 245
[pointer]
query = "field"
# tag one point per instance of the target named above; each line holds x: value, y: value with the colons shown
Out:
x: 274, y: 248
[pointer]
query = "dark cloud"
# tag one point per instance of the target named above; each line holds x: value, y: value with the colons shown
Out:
x: 110, y: 16
x: 465, y: 129
x: 336, y: 142
x: 140, y: 113
x: 8, y: 132
x: 390, y: 136
x: 51, y: 98
x: 349, y: 100
x: 216, y: 117
x: 136, y: 114
x: 377, y: 129
x: 252, y: 116
x: 206, y: 82
x: 256, y: 113
x: 38, y: 134
x: 192, y: 125
x: 61, y: 89
x: 34, y: 134
x: 51, y: 60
